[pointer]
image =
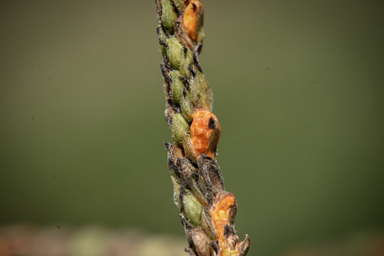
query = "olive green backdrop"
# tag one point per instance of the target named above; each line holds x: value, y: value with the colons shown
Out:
x: 298, y: 89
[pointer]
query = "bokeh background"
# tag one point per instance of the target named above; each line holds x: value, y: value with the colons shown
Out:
x: 298, y: 89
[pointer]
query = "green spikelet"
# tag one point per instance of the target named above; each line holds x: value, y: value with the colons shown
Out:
x: 180, y: 126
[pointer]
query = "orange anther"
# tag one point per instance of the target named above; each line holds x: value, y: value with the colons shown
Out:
x: 205, y: 133
x: 192, y: 16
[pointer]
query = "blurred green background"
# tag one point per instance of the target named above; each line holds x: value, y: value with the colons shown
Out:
x: 298, y: 89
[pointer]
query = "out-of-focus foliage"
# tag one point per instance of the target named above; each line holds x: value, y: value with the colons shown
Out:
x: 32, y: 240
x: 298, y: 89
x: 29, y: 240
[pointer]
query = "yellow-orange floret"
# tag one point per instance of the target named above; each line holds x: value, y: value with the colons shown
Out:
x: 191, y: 18
x: 205, y: 133
x: 222, y: 215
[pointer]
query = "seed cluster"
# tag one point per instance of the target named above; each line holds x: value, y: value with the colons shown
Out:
x: 207, y: 211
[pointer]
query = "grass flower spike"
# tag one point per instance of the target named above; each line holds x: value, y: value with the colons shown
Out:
x: 207, y: 211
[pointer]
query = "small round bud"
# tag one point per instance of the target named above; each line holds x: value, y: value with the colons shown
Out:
x: 168, y: 15
x: 191, y: 208
x: 176, y: 86
x: 186, y: 107
x: 187, y: 61
x: 201, y: 92
x: 174, y: 52
x: 179, y: 127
